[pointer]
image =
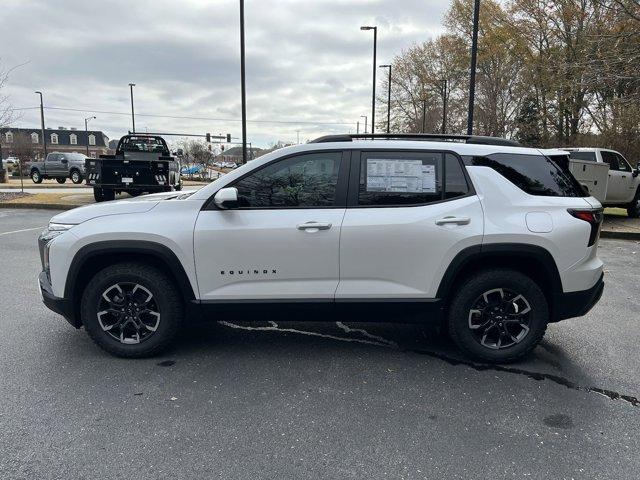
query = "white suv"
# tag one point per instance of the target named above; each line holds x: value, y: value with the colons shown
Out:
x: 492, y: 240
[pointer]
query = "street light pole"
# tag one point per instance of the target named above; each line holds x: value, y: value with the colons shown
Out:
x: 373, y: 95
x: 243, y: 93
x: 133, y: 116
x: 424, y: 115
x: 365, y: 122
x: 358, y: 126
x: 44, y: 138
x: 444, y: 108
x: 86, y: 131
x: 474, y: 58
x: 388, y: 98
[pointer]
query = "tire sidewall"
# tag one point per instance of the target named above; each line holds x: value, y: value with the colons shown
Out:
x: 36, y: 177
x: 462, y: 304
x: 90, y: 305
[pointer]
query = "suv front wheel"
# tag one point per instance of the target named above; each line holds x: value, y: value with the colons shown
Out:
x: 498, y: 316
x: 131, y: 310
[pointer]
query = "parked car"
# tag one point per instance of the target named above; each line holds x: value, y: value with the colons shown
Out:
x: 623, y: 185
x: 141, y: 164
x: 490, y: 240
x: 11, y: 161
x: 59, y: 166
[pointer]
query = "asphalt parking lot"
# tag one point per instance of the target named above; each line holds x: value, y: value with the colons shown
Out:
x: 295, y: 400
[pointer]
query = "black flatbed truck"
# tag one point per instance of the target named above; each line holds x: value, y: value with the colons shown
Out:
x: 141, y: 164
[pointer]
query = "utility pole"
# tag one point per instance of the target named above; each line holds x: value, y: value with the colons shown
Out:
x: 424, y: 115
x: 373, y: 95
x: 365, y: 122
x: 388, y: 98
x: 44, y: 138
x: 243, y: 93
x: 133, y: 116
x: 358, y: 126
x: 444, y: 107
x: 474, y: 58
x: 86, y: 131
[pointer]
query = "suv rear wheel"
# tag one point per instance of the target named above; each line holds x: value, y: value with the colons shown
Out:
x: 131, y: 310
x: 498, y: 316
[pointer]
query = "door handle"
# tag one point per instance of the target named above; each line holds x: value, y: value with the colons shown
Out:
x: 454, y: 220
x: 314, y: 226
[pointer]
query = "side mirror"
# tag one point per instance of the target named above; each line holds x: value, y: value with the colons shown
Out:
x: 226, y: 198
x: 64, y: 160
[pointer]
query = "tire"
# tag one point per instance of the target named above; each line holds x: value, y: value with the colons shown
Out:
x: 108, y: 194
x: 504, y: 313
x: 76, y: 177
x: 134, y: 193
x: 143, y: 334
x: 35, y: 176
x: 97, y: 195
x: 61, y: 180
x: 633, y: 209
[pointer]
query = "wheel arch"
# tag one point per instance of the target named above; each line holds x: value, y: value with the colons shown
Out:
x: 94, y: 257
x: 531, y: 260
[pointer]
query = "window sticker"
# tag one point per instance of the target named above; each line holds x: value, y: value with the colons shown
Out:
x: 408, y: 176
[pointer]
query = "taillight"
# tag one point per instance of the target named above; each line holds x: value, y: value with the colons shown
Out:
x: 593, y: 218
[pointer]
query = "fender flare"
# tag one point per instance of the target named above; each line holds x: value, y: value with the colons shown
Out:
x: 137, y: 247
x: 501, y: 251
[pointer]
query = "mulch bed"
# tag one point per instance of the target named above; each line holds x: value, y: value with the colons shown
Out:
x: 12, y: 195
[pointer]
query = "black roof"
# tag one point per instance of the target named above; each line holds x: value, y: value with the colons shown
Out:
x: 434, y: 137
x: 64, y: 135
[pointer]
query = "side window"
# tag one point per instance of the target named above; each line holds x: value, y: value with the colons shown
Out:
x: 588, y: 156
x: 308, y: 180
x: 533, y: 174
x: 400, y: 178
x: 622, y: 164
x: 54, y: 157
x: 455, y: 182
x: 611, y: 159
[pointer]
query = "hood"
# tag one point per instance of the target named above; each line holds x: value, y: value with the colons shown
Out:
x: 116, y: 207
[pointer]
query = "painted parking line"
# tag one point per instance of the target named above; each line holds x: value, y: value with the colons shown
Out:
x: 23, y: 230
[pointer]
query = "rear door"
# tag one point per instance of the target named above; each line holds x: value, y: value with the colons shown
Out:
x: 409, y: 213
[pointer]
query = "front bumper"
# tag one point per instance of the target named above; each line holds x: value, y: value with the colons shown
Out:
x: 577, y: 304
x: 58, y: 305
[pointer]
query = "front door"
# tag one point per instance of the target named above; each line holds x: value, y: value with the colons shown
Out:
x: 282, y: 241
x: 615, y: 184
x: 627, y: 180
x: 410, y: 214
x: 53, y: 164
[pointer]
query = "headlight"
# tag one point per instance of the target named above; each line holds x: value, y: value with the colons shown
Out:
x: 44, y: 241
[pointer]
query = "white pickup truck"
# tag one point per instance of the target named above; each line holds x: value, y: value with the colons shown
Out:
x: 615, y: 186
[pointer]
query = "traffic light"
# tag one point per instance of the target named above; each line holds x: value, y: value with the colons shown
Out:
x: 228, y: 138
x: 208, y: 135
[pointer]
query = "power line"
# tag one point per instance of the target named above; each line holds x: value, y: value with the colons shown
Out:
x: 181, y: 117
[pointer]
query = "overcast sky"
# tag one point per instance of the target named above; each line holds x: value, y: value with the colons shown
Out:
x: 307, y: 61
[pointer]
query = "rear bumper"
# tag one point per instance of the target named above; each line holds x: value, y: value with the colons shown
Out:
x: 577, y: 304
x: 58, y: 305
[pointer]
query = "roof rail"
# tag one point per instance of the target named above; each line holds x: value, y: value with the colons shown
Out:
x: 472, y: 139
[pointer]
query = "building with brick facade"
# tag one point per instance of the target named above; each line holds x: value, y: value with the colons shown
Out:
x: 16, y: 141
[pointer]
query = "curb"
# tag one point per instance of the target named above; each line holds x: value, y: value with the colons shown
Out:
x: 46, y: 186
x: 41, y: 206
x: 620, y: 235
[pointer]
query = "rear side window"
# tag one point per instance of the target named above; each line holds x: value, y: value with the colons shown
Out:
x: 610, y: 159
x: 589, y: 156
x: 409, y: 178
x: 534, y: 174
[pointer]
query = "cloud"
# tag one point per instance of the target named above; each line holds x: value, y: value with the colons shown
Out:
x: 307, y: 61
